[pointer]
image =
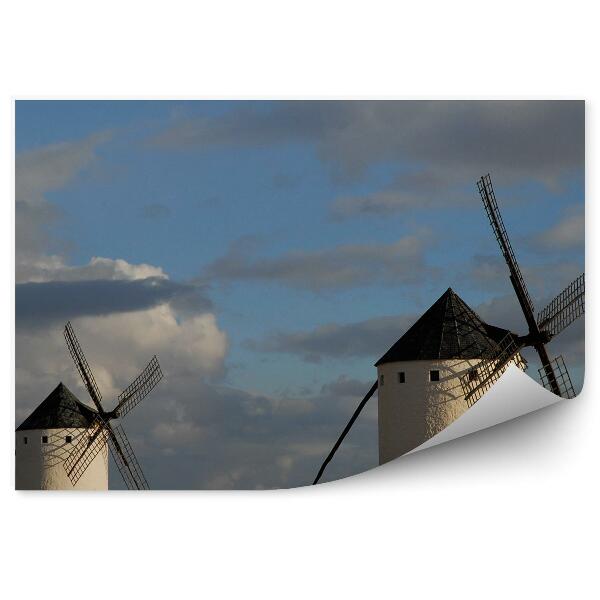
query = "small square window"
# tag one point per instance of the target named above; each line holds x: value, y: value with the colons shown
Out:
x: 401, y: 377
x: 44, y: 439
x: 434, y: 375
x: 381, y: 380
x: 68, y: 439
x: 25, y: 440
x: 473, y: 375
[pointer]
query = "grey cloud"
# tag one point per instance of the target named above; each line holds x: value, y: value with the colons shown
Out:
x: 40, y: 303
x: 251, y: 123
x: 345, y: 388
x: 542, y: 140
x: 220, y: 437
x: 335, y: 268
x: 418, y: 190
x: 488, y: 272
x: 568, y: 233
x: 51, y: 167
x: 31, y: 224
x: 38, y: 172
x: 368, y: 339
x: 503, y: 311
x: 543, y: 279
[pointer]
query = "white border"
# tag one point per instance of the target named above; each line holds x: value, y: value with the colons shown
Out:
x: 510, y: 512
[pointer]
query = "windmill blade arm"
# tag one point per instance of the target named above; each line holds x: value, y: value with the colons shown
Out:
x: 82, y: 365
x: 87, y: 448
x: 126, y: 460
x: 140, y: 388
x: 488, y: 197
x: 568, y: 306
x: 345, y: 432
x: 490, y: 369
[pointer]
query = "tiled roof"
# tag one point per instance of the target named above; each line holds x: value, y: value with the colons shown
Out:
x: 61, y: 409
x: 449, y: 329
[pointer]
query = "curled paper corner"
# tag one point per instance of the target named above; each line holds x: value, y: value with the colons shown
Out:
x: 514, y: 395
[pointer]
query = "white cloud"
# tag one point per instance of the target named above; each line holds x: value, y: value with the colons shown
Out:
x: 118, y: 347
x: 53, y: 268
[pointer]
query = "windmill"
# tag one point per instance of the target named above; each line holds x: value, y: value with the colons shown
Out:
x: 487, y: 350
x: 100, y: 431
x: 565, y: 308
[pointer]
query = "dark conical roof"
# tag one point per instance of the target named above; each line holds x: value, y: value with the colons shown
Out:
x: 61, y: 409
x: 449, y: 329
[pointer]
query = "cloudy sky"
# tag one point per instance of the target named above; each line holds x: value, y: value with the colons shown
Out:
x: 270, y: 253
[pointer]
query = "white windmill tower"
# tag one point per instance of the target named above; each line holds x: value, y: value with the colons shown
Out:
x: 419, y: 377
x: 47, y: 437
x: 449, y: 358
x: 64, y: 443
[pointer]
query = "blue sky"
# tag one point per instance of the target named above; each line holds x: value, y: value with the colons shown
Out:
x: 285, y: 217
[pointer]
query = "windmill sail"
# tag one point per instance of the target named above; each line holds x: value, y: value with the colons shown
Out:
x: 100, y: 433
x: 87, y: 448
x: 493, y: 212
x: 126, y: 460
x: 139, y: 388
x: 518, y: 282
x: 568, y: 306
x: 563, y: 378
x: 82, y: 365
x: 490, y: 369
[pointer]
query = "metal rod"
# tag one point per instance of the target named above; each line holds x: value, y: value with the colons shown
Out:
x: 345, y: 432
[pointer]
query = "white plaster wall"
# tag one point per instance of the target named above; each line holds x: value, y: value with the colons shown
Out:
x: 410, y: 413
x: 513, y: 395
x: 40, y: 466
